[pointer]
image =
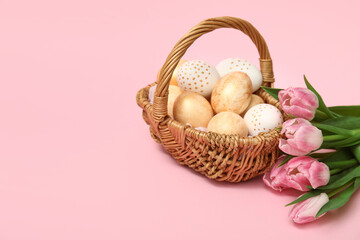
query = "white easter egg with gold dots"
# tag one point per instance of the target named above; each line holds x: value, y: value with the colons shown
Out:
x: 263, y: 118
x: 197, y: 76
x: 237, y: 64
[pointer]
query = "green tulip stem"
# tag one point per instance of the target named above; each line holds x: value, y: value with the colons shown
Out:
x: 340, y: 189
x: 334, y: 137
x: 321, y: 114
x: 342, y: 164
x: 334, y: 129
x: 356, y: 151
x: 335, y: 171
x: 355, y: 131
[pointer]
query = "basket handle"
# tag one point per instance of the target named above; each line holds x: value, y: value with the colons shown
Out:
x: 208, y: 25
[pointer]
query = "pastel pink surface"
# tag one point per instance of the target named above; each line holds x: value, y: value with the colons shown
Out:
x: 76, y: 159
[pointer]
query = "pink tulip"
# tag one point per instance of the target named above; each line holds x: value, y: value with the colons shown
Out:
x: 305, y: 211
x: 297, y: 173
x: 299, y: 102
x: 302, y: 137
x: 306, y: 171
x: 276, y: 178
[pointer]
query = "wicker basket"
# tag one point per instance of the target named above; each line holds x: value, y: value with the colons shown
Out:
x: 218, y: 156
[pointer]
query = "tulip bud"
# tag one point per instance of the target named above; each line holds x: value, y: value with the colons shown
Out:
x: 299, y: 102
x: 305, y: 211
x: 276, y: 178
x: 302, y: 137
x: 306, y: 171
x: 298, y: 173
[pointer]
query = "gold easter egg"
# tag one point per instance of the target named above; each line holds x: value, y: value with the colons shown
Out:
x: 232, y: 93
x: 173, y: 80
x: 255, y: 100
x: 228, y: 123
x: 192, y: 108
x: 174, y: 92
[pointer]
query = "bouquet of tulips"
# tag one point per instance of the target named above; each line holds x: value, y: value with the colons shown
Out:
x: 320, y: 148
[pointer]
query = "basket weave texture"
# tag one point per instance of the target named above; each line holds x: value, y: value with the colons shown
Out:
x: 218, y: 156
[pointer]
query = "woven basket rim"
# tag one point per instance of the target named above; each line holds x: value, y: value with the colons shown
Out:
x: 189, y: 130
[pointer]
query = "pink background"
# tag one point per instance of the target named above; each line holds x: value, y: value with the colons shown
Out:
x: 76, y: 158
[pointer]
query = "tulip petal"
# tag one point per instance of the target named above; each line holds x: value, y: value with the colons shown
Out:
x: 292, y: 125
x: 308, y: 98
x: 306, y: 211
x: 319, y: 174
x: 299, y: 102
x: 300, y: 112
x: 276, y: 178
x: 308, y: 138
x: 297, y: 172
x: 289, y: 146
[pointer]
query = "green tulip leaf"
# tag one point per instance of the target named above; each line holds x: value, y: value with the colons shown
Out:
x: 321, y: 155
x: 341, y: 154
x: 333, y: 129
x: 287, y: 158
x: 356, y: 151
x: 343, y: 179
x: 320, y: 116
x: 346, y: 110
x: 274, y: 92
x: 347, y: 122
x: 344, y: 164
x: 335, y: 171
x: 348, y: 142
x: 340, y: 200
x: 305, y: 196
x: 328, y: 145
x: 322, y: 106
x: 337, y: 176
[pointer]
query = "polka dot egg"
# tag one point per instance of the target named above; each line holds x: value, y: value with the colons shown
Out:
x: 197, y: 76
x: 236, y: 64
x: 262, y: 118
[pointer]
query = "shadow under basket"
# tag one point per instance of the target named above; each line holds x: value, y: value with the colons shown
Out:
x: 220, y: 157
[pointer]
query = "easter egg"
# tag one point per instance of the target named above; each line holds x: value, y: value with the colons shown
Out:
x: 192, y: 108
x: 263, y: 118
x: 151, y: 93
x: 174, y: 92
x: 197, y: 76
x: 236, y: 64
x: 228, y: 123
x: 202, y: 129
x: 255, y: 100
x: 173, y: 80
x: 232, y: 93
